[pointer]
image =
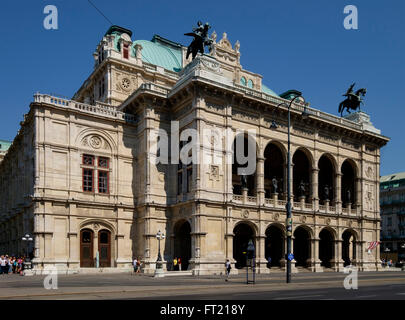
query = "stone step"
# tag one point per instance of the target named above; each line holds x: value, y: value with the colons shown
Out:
x: 178, y: 273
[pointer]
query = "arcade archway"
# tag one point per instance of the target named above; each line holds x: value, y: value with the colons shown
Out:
x: 301, y: 175
x: 274, y: 167
x: 274, y: 245
x: 242, y: 234
x: 348, y: 247
x: 326, y: 248
x: 249, y: 146
x: 302, y: 246
x: 326, y: 185
x: 349, y: 195
x: 182, y: 243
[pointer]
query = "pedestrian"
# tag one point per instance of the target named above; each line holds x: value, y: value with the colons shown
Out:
x: 268, y: 262
x: 174, y: 264
x: 138, y: 266
x: 2, y: 264
x: 135, y: 264
x: 10, y: 265
x: 227, y: 269
x: 179, y: 263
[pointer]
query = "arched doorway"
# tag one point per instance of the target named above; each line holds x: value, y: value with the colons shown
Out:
x: 249, y: 149
x: 86, y: 248
x: 326, y: 184
x: 182, y: 243
x: 348, y: 247
x: 242, y: 234
x: 301, y: 175
x: 104, y: 248
x: 348, y: 183
x: 274, y: 167
x: 274, y: 245
x: 302, y: 247
x: 326, y: 248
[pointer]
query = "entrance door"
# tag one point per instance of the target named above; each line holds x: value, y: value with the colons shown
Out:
x: 104, y: 247
x: 86, y: 249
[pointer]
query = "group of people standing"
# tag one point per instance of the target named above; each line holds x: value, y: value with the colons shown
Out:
x: 11, y: 264
x: 177, y: 264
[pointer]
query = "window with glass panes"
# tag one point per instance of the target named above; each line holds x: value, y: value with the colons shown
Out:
x: 95, y: 168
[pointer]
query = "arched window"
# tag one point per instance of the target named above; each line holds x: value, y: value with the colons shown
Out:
x: 243, y: 81
x: 250, y: 84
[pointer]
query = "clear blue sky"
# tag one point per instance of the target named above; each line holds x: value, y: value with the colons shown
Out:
x: 292, y: 43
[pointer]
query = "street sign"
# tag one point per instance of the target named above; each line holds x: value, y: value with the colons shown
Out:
x: 290, y: 257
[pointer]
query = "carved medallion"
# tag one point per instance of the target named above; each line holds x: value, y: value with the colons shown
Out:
x: 303, y: 219
x: 276, y: 216
x: 125, y: 84
x: 328, y: 221
x: 245, y: 213
x: 95, y: 142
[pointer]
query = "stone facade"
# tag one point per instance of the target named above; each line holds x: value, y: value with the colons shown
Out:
x: 79, y: 175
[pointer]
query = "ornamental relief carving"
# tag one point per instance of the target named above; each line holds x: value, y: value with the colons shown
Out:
x: 95, y: 142
x: 369, y: 197
x: 238, y: 114
x: 369, y: 172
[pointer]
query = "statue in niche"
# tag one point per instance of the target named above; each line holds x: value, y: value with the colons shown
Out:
x: 326, y: 192
x: 274, y: 182
x: 301, y: 189
x: 348, y: 195
x: 243, y: 181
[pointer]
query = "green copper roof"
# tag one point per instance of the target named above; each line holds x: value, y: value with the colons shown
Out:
x: 118, y: 30
x: 267, y: 90
x: 4, y: 145
x: 393, y: 177
x: 160, y: 53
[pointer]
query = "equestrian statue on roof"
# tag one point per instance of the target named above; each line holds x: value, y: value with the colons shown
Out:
x: 353, y: 100
x: 200, y: 34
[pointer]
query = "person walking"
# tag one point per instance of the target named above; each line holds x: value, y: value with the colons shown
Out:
x: 179, y: 263
x: 227, y: 269
x: 135, y: 264
x: 138, y: 266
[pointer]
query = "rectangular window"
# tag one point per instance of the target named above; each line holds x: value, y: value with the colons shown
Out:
x: 103, y: 162
x: 103, y: 182
x: 125, y: 51
x: 189, y: 178
x: 88, y: 160
x: 179, y: 182
x: 88, y: 180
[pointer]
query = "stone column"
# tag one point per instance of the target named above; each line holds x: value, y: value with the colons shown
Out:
x: 260, y: 180
x: 359, y: 198
x: 338, y: 192
x: 315, y: 196
x: 338, y: 261
x: 315, y: 254
x: 261, y: 261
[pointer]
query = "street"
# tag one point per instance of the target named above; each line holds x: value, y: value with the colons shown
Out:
x: 304, y: 286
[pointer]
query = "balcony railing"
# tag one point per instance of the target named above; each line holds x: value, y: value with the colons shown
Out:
x: 101, y: 109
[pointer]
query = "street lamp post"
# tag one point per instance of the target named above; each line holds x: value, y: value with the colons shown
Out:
x: 288, y: 205
x: 27, y: 238
x: 159, y: 264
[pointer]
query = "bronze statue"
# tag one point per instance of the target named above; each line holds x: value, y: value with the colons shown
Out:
x: 274, y: 182
x: 353, y: 100
x: 243, y: 180
x: 326, y: 192
x: 301, y: 188
x: 201, y: 39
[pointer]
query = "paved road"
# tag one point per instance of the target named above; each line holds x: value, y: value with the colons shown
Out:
x: 312, y: 286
